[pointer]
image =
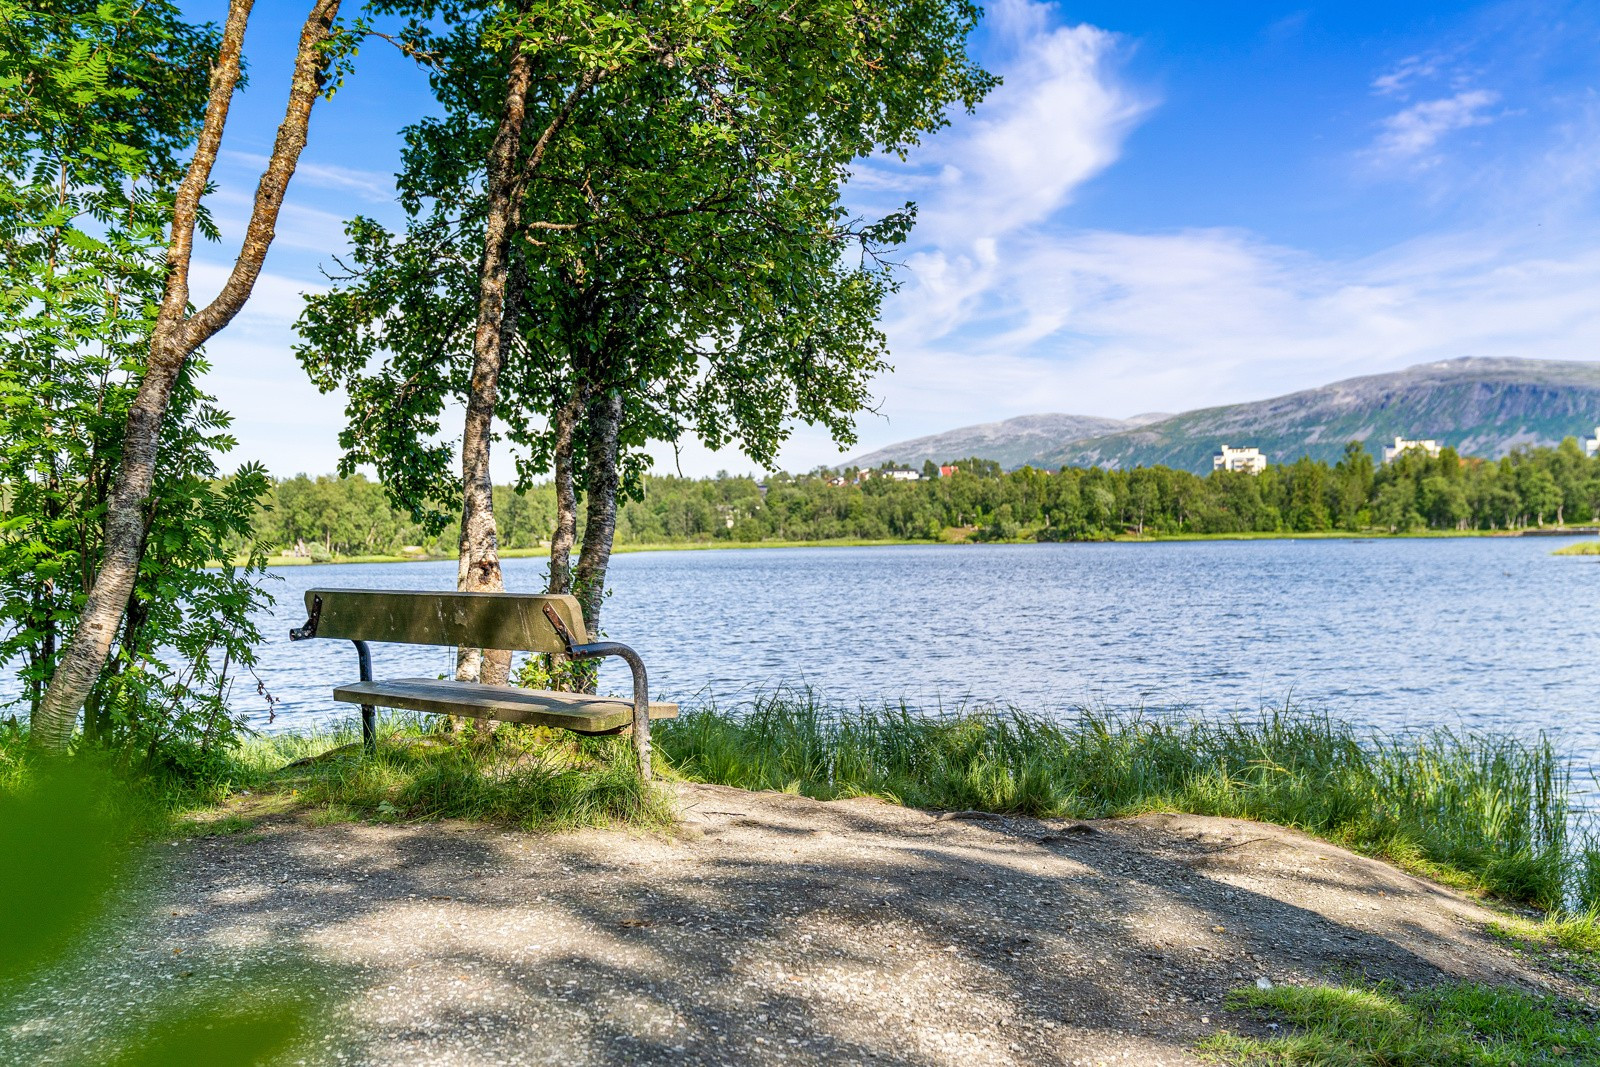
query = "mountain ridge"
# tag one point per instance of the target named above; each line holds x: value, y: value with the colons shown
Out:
x: 1009, y: 442
x: 1480, y: 406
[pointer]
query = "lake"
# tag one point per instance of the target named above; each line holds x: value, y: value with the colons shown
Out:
x: 1487, y: 633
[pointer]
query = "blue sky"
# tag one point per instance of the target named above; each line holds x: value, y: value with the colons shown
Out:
x: 1165, y: 206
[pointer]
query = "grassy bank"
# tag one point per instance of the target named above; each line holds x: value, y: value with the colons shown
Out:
x: 1325, y: 535
x: 956, y: 536
x: 524, y: 777
x: 1582, y: 548
x: 1483, y: 812
x: 527, y: 778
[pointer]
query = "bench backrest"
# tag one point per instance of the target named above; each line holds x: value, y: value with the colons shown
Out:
x: 514, y: 621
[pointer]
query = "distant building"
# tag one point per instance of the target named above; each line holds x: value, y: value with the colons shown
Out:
x: 1401, y: 446
x: 1591, y: 445
x: 902, y: 476
x: 950, y: 468
x: 1248, y: 459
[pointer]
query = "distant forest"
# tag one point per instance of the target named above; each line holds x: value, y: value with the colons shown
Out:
x: 351, y: 516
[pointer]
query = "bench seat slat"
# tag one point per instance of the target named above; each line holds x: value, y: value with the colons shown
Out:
x: 542, y: 707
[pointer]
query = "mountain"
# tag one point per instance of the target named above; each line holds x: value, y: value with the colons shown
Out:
x: 1480, y: 407
x: 1010, y: 443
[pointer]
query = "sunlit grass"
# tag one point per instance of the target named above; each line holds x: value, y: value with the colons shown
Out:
x: 1452, y: 1025
x: 1483, y: 811
x: 1566, y: 944
x: 525, y: 777
x: 1491, y: 813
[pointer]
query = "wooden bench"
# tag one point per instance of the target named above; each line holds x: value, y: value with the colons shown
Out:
x: 512, y: 621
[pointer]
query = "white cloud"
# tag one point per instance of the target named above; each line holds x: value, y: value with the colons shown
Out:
x: 1057, y: 121
x: 1408, y: 134
x: 370, y: 185
x: 274, y: 302
x: 1410, y: 69
x: 1107, y: 323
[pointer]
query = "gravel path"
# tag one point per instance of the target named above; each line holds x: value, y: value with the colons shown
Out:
x: 770, y: 929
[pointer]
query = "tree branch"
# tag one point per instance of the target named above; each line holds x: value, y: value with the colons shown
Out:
x: 291, y: 140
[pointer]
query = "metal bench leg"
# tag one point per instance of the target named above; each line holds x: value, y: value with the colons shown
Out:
x: 369, y: 714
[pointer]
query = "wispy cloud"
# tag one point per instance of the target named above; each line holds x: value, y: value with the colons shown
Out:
x: 371, y: 186
x: 1409, y: 70
x: 1409, y: 134
x: 1059, y: 119
x: 274, y: 304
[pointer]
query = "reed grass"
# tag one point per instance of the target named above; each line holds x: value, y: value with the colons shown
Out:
x: 1488, y: 812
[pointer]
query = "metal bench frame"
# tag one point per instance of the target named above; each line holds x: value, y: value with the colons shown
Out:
x: 574, y: 650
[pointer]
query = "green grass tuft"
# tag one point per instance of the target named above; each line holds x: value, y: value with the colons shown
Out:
x: 1455, y: 1025
x: 1482, y: 811
x: 525, y: 777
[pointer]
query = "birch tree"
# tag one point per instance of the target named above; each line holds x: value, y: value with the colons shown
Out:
x: 101, y: 100
x: 668, y: 252
x: 176, y: 333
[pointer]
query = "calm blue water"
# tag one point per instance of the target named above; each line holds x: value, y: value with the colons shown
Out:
x: 1487, y: 633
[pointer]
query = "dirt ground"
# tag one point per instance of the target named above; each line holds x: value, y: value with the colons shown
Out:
x: 770, y: 929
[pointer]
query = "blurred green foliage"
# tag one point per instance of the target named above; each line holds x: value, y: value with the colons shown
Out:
x: 69, y: 863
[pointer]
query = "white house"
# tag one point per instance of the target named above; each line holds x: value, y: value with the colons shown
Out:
x: 902, y: 476
x: 1591, y: 445
x: 1402, y: 446
x: 1248, y: 459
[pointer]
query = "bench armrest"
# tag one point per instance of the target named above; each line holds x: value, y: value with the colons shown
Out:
x: 300, y: 633
x: 641, y: 691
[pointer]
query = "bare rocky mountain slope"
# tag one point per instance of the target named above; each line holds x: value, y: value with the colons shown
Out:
x: 1481, y: 407
x: 1010, y: 443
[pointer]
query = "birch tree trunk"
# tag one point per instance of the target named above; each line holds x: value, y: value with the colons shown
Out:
x: 565, y: 535
x: 479, y: 568
x: 600, y: 488
x: 174, y: 338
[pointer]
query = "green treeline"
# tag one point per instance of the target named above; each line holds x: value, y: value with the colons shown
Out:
x: 328, y: 517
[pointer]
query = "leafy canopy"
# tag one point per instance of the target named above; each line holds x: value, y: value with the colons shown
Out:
x: 681, y: 241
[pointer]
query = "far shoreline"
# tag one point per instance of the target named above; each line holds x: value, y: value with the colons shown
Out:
x: 850, y: 542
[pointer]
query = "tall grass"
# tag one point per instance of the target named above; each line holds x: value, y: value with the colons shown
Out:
x: 1490, y: 812
x: 526, y: 777
x: 1487, y: 811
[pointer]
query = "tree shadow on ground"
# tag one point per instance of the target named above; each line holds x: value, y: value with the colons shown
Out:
x: 777, y: 929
